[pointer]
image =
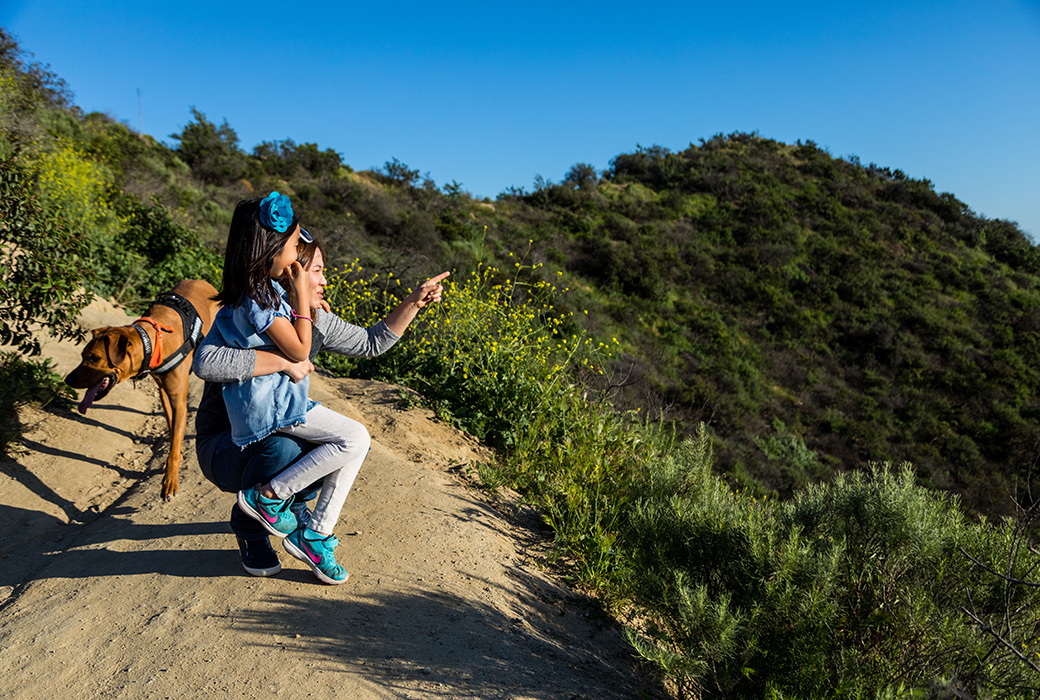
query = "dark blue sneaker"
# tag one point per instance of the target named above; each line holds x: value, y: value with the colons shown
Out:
x: 302, y: 512
x: 272, y: 513
x: 258, y: 557
x: 315, y: 550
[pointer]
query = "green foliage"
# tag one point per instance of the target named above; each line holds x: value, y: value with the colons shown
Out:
x: 398, y: 173
x: 39, y: 270
x: 34, y: 85
x: 856, y: 588
x: 813, y: 313
x: 149, y: 255
x: 24, y: 382
x: 495, y: 359
x: 750, y: 282
x: 789, y: 454
x: 287, y: 159
x: 582, y: 176
x: 72, y: 182
x: 494, y: 349
x: 860, y: 587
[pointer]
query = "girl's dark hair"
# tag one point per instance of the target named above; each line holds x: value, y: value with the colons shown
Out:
x: 250, y: 252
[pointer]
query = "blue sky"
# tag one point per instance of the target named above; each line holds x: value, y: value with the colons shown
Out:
x: 493, y: 94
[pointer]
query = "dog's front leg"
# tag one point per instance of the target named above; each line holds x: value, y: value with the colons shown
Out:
x: 173, y: 388
x: 165, y: 398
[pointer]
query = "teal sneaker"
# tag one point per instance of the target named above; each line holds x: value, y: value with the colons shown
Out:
x: 272, y: 513
x: 315, y: 550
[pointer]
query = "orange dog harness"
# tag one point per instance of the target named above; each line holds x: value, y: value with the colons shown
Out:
x: 158, y: 361
x: 160, y: 328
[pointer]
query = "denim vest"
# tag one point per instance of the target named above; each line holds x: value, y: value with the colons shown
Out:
x: 259, y: 406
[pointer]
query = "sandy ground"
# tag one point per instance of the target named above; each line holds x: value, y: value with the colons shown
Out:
x: 108, y: 592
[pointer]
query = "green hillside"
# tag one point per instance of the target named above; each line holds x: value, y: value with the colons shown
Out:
x: 816, y: 313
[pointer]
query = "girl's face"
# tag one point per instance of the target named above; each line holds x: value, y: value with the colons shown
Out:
x: 286, y: 256
x: 316, y: 270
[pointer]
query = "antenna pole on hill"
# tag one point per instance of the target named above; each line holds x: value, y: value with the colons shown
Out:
x: 140, y: 127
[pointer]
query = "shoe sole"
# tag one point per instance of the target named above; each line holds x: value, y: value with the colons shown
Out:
x: 270, y: 571
x: 248, y: 509
x: 302, y: 556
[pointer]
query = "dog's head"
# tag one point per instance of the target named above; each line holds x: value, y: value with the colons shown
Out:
x: 107, y: 360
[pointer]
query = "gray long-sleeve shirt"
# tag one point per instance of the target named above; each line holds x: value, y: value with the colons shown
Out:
x: 217, y: 364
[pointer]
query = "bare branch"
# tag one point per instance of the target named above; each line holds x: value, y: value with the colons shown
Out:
x: 998, y: 574
x: 989, y: 630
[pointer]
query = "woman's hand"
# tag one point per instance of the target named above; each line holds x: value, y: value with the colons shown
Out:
x: 429, y: 292
x: 298, y: 370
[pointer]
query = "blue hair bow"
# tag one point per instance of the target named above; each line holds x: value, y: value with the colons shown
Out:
x: 276, y: 212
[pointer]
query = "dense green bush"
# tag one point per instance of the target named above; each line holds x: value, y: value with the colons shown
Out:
x: 149, y: 255
x: 858, y: 588
x: 868, y: 586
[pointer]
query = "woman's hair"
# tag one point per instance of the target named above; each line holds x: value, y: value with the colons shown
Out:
x: 305, y: 251
x: 250, y: 252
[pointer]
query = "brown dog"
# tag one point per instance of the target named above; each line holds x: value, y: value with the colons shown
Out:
x: 161, y: 343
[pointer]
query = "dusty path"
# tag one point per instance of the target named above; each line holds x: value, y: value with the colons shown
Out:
x: 106, y: 592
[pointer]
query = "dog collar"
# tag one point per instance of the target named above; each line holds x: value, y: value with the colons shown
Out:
x: 147, y: 343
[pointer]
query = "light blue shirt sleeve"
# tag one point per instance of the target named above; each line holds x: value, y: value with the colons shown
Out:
x: 260, y: 318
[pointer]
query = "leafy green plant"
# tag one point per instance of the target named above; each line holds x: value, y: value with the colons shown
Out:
x: 151, y: 254
x: 493, y: 358
x: 40, y: 273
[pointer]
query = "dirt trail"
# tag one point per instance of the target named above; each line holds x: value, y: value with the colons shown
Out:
x: 107, y: 592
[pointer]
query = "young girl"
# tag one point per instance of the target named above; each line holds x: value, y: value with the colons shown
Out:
x: 256, y: 315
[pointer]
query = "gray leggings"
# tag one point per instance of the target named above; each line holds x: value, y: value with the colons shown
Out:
x: 342, y: 446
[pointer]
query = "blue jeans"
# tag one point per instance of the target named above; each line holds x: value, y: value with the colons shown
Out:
x: 236, y: 468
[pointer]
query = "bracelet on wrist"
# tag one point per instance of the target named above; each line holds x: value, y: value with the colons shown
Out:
x: 305, y: 318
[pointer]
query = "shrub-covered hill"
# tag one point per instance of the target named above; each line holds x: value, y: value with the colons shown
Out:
x: 816, y: 313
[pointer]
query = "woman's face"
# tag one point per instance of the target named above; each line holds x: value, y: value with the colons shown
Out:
x: 286, y: 256
x: 316, y: 270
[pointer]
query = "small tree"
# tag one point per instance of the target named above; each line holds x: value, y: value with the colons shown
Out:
x: 210, y: 151
x: 582, y: 176
x: 37, y: 84
x: 397, y: 172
